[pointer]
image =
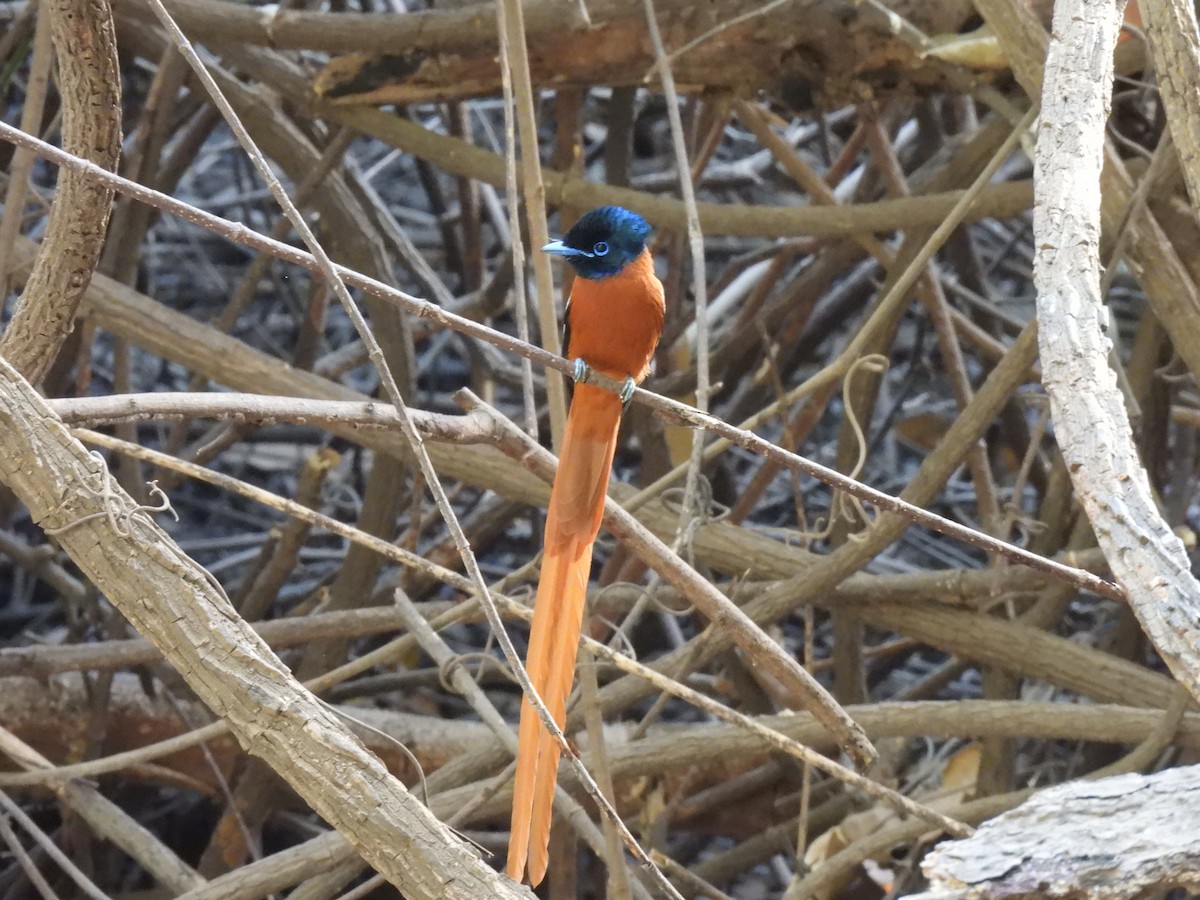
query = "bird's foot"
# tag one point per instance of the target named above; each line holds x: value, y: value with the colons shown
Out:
x: 581, y: 371
x: 627, y: 390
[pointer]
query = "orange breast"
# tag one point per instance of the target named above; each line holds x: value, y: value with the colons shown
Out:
x: 616, y: 321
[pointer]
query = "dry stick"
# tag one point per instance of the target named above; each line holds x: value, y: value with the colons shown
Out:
x: 363, y: 890
x: 491, y: 788
x: 43, y: 660
x: 40, y: 561
x: 85, y: 884
x: 326, y: 885
x: 1092, y: 425
x: 671, y: 409
x: 454, y: 30
x: 1151, y: 256
x: 452, y: 672
x: 279, y: 556
x: 619, y: 887
x: 278, y: 872
x: 802, y: 690
x: 515, y: 60
x: 1030, y: 652
x: 1160, y: 738
x: 460, y: 158
x: 1164, y: 164
x: 263, y: 409
x: 1172, y: 29
x: 117, y: 761
x: 803, y: 822
x: 696, y: 247
x: 517, y: 246
x: 89, y: 81
x: 23, y: 860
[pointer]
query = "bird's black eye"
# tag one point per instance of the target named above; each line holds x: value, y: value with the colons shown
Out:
x: 600, y: 248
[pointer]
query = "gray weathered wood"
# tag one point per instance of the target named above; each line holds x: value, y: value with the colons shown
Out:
x: 1116, y: 837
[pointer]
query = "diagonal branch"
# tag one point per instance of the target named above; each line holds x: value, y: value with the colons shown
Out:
x: 740, y: 436
x: 173, y: 602
x: 804, y: 691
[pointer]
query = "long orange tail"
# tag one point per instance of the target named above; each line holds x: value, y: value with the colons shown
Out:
x: 576, y: 507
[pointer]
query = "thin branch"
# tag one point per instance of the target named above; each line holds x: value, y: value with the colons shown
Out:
x: 515, y: 60
x: 803, y: 691
x: 263, y: 409
x: 86, y: 886
x: 696, y: 248
x: 673, y: 410
x: 513, y: 203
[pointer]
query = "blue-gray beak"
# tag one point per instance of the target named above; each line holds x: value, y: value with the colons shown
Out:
x: 558, y: 248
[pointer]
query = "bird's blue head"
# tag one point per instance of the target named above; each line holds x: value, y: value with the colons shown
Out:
x: 602, y: 242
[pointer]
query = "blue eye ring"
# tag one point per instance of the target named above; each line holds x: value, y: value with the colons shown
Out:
x: 600, y: 248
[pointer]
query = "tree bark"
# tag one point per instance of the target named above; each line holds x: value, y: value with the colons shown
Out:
x: 1091, y: 422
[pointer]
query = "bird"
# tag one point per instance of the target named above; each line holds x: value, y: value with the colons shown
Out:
x: 612, y: 323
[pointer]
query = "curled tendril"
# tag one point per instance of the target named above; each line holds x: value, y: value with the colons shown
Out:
x: 842, y: 505
x: 103, y: 490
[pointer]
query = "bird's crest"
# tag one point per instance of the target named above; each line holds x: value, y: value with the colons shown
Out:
x: 603, y: 241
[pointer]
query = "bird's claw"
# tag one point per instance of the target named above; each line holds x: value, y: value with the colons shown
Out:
x: 581, y: 371
x: 627, y: 390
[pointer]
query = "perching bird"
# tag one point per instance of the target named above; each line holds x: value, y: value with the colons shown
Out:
x: 613, y: 321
